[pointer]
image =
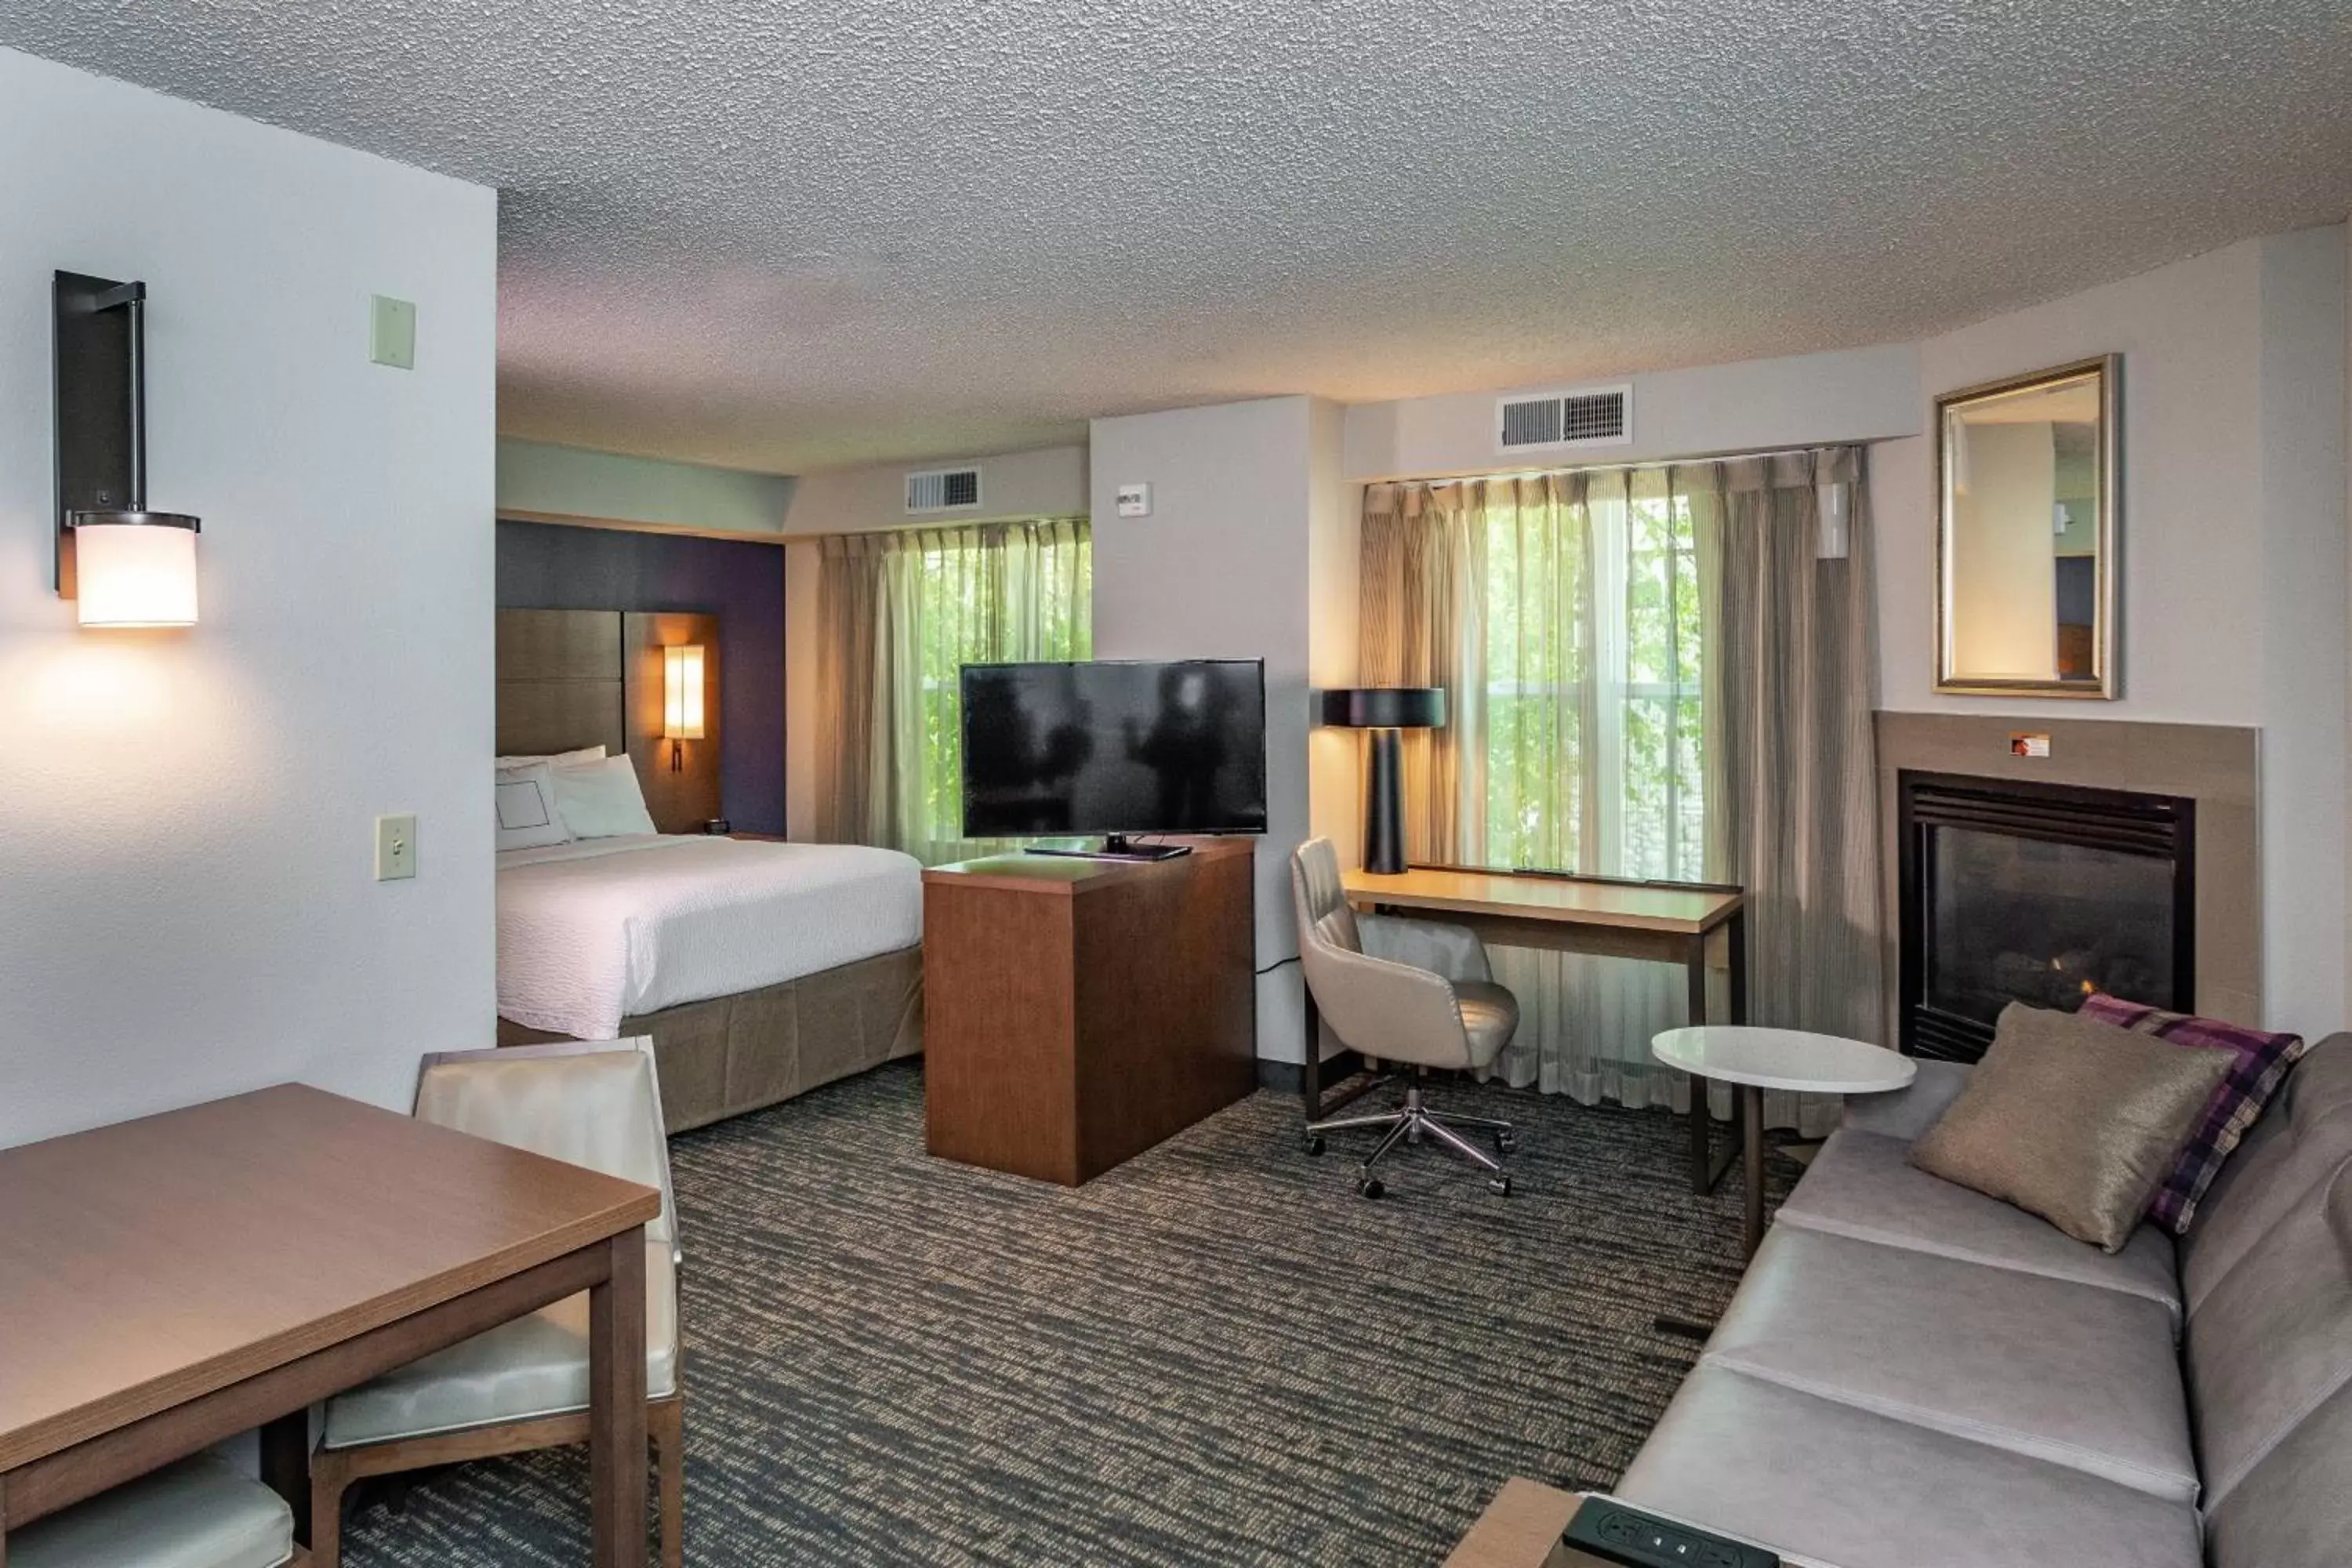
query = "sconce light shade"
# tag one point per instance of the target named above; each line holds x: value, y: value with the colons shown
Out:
x: 135, y: 568
x: 682, y: 692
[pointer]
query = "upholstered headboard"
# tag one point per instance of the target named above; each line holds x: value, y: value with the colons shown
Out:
x: 568, y: 679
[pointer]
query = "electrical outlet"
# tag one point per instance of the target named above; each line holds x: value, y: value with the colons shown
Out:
x: 391, y: 331
x: 395, y: 848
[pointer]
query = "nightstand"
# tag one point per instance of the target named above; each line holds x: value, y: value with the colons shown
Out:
x: 761, y: 837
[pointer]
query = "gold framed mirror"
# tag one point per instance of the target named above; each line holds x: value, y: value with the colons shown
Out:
x: 2029, y: 509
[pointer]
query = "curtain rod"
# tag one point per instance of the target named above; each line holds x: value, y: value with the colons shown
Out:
x: 952, y: 525
x: 1619, y: 468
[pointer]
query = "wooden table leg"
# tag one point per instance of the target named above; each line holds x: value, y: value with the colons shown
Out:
x: 286, y: 1466
x: 616, y: 1406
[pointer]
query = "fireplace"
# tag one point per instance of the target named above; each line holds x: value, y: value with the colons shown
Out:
x: 2015, y: 892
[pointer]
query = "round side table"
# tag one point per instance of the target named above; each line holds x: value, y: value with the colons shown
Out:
x: 1757, y: 1059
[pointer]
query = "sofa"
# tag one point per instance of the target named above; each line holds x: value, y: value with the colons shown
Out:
x: 1914, y: 1375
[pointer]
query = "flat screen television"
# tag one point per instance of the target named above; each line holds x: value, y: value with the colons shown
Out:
x: 1112, y: 747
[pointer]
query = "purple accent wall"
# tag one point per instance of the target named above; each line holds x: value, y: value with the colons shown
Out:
x: 553, y: 567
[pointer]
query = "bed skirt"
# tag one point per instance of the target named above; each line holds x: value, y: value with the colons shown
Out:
x: 733, y: 1054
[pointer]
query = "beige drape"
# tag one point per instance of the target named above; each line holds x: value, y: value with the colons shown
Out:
x: 1543, y: 604
x: 899, y: 614
x: 851, y: 696
x: 1793, y: 789
x: 1423, y: 624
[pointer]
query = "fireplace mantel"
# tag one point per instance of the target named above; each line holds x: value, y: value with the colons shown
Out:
x: 2213, y: 765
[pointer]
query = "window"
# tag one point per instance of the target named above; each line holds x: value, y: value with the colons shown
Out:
x: 1594, y: 731
x: 985, y: 596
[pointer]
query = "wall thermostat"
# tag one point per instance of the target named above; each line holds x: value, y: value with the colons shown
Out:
x: 1134, y: 500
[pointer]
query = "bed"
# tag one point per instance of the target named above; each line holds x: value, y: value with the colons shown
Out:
x: 760, y: 970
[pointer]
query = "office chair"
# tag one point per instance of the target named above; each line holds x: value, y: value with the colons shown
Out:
x: 1416, y: 993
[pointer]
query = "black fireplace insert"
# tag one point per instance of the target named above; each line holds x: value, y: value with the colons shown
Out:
x: 2038, y: 893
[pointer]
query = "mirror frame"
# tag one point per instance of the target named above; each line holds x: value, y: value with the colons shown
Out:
x: 2105, y: 682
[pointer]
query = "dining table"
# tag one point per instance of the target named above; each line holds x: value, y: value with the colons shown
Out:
x: 172, y: 1281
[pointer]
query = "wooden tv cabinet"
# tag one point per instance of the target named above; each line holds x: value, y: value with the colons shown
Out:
x: 1077, y: 1012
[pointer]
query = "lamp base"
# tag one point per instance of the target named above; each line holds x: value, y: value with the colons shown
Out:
x: 1384, y: 802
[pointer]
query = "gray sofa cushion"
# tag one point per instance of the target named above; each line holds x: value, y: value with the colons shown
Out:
x: 2302, y: 1141
x: 1848, y: 1486
x: 2272, y: 1342
x: 1910, y: 1110
x: 2063, y: 1371
x: 2295, y: 1507
x: 1861, y: 1185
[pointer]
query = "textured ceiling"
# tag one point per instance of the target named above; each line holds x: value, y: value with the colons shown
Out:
x: 784, y: 236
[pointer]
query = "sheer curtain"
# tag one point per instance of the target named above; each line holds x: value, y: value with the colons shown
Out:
x: 1650, y: 674
x: 900, y: 615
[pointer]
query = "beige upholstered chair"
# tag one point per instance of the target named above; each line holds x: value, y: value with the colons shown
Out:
x: 198, y: 1514
x: 524, y: 1384
x: 1414, y: 993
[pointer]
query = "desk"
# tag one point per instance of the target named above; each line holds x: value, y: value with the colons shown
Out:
x: 1077, y: 1012
x: 170, y: 1282
x: 1664, y: 923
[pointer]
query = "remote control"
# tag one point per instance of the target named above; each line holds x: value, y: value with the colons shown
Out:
x: 1616, y: 1534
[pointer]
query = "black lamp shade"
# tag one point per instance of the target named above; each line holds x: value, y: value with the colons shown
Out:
x: 1385, y: 707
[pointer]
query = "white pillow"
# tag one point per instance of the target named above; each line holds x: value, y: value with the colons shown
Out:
x: 579, y: 758
x: 527, y: 814
x: 602, y: 800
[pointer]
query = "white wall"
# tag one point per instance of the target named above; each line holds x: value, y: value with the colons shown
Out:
x: 1334, y: 559
x: 1803, y: 400
x: 1223, y: 569
x: 546, y: 480
x: 186, y: 835
x: 1049, y: 482
x: 2304, y: 561
x: 2234, y: 547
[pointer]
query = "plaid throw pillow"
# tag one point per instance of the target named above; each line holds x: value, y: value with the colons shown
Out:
x: 2263, y: 1063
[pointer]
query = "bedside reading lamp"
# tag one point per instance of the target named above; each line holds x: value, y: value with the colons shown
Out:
x: 681, y: 700
x: 1387, y: 711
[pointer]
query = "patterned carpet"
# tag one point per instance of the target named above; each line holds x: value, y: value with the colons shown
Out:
x: 1215, y: 1354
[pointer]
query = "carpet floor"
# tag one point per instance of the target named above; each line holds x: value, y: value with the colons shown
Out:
x: 1215, y: 1354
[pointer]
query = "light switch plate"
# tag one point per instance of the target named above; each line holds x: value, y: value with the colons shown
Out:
x: 391, y: 331
x: 395, y: 848
x: 1134, y: 500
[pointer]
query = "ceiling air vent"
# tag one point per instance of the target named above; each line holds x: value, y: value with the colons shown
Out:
x: 943, y: 490
x: 1559, y: 421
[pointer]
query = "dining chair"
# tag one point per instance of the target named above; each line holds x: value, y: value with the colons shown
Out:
x: 197, y: 1513
x: 523, y: 1386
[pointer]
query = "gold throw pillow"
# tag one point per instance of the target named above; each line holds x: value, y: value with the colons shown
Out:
x: 2073, y: 1120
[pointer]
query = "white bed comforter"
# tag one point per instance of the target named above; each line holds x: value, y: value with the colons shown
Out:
x: 605, y: 929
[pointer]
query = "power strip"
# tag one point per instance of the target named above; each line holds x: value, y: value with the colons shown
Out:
x: 1615, y: 1532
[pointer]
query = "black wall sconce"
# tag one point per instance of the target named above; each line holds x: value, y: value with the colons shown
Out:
x: 123, y: 564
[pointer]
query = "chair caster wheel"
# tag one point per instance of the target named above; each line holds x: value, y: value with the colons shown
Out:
x: 1500, y: 1186
x: 1369, y: 1187
x: 1314, y: 1143
x: 1506, y: 1141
